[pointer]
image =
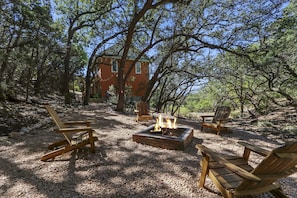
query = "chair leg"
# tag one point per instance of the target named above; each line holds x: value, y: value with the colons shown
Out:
x: 204, y: 170
x: 218, y: 131
x: 53, y: 154
x: 92, y: 140
x: 226, y: 193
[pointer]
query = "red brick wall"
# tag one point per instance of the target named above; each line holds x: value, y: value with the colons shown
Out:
x: 138, y: 82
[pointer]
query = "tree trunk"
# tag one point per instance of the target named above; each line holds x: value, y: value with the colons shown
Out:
x: 121, y: 90
x: 88, y: 87
x: 66, y: 79
x: 131, y: 28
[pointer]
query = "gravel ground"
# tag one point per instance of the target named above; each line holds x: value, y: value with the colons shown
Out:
x: 120, y: 167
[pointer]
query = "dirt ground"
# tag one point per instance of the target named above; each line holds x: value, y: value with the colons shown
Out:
x: 121, y: 167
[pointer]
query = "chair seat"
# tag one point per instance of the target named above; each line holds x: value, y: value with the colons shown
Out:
x: 144, y: 117
x: 226, y: 177
x: 77, y: 138
x: 209, y: 125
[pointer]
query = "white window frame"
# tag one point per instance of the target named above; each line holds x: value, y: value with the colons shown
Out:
x: 138, y: 68
x: 114, y: 66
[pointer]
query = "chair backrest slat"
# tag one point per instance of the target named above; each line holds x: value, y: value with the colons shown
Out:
x: 222, y: 114
x: 55, y: 117
x: 142, y: 108
x: 58, y: 122
x: 276, y: 163
x: 274, y: 167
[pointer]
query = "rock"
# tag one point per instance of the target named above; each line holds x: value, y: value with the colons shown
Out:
x: 36, y: 126
x: 29, y: 101
x: 24, y: 130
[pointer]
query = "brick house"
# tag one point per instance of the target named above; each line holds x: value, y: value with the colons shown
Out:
x: 106, y: 71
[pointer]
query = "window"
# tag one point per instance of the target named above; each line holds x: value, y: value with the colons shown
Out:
x: 114, y: 66
x: 138, y: 68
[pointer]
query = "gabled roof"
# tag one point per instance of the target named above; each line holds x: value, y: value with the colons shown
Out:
x: 118, y: 49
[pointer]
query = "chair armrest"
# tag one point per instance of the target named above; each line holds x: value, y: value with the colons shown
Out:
x: 236, y: 169
x: 72, y: 123
x: 77, y: 123
x: 75, y: 130
x: 223, y: 120
x: 255, y: 149
x: 206, y: 116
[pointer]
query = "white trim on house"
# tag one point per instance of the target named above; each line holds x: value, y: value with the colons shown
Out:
x: 114, y: 66
x: 138, y: 68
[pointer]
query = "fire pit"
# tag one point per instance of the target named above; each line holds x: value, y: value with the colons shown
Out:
x: 177, y: 138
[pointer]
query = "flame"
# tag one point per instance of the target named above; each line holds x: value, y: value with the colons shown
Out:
x: 170, y: 123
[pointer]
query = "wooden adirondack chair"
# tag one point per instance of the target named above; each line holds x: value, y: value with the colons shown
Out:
x: 218, y: 119
x: 233, y: 176
x: 75, y: 137
x: 142, y: 112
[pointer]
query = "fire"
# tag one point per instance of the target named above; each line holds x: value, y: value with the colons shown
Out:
x: 170, y: 122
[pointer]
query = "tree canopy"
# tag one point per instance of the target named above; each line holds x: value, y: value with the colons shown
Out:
x: 242, y: 51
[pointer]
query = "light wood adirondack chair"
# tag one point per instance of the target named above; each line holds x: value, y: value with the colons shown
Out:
x: 75, y: 137
x: 218, y: 119
x: 233, y: 176
x: 142, y: 112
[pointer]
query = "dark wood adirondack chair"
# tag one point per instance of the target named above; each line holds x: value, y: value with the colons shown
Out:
x: 75, y: 137
x: 233, y: 176
x: 142, y: 112
x: 218, y: 119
